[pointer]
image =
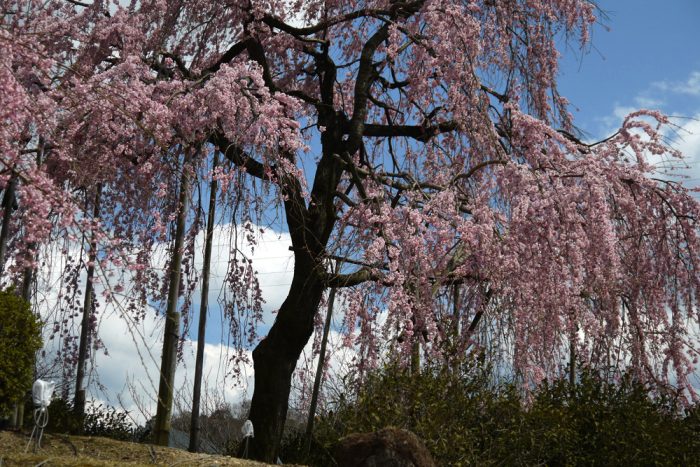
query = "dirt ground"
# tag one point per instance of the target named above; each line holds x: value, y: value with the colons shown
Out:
x: 64, y: 450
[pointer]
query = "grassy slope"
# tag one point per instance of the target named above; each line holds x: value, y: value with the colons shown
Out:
x: 64, y: 450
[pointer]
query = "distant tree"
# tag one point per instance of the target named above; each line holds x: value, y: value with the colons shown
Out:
x: 441, y: 155
x: 219, y: 429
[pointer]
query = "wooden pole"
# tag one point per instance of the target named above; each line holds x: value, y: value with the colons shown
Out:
x: 161, y: 433
x: 319, y: 371
x: 79, y: 402
x: 199, y: 363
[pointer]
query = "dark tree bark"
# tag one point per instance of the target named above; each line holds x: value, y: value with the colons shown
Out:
x: 310, y: 227
x: 8, y: 200
x: 275, y: 358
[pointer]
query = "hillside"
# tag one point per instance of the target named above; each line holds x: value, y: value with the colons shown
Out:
x: 65, y: 450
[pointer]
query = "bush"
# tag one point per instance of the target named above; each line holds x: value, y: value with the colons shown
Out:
x: 62, y: 418
x: 108, y: 422
x: 20, y: 338
x: 464, y: 420
x: 604, y: 423
x: 443, y: 407
x: 99, y: 420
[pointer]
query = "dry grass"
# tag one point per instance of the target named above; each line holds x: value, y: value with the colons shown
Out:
x: 64, y: 450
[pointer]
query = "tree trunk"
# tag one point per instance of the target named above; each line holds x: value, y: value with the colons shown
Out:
x: 572, y: 361
x: 7, y: 202
x: 79, y: 403
x: 196, y: 392
x: 27, y: 279
x: 7, y: 199
x: 415, y: 355
x: 161, y: 429
x: 275, y: 358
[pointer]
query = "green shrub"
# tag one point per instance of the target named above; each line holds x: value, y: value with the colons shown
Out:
x: 62, y: 418
x: 465, y: 420
x: 444, y: 408
x: 604, y: 423
x: 20, y: 338
x: 99, y: 420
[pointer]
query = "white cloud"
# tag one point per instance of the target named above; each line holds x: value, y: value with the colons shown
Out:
x: 683, y: 136
x: 271, y: 258
x: 129, y: 371
x: 687, y: 140
x: 657, y: 96
x: 297, y: 14
x: 126, y: 372
x: 611, y: 123
x: 647, y: 102
x: 690, y: 86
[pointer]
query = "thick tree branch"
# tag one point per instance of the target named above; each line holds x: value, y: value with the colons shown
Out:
x: 365, y: 75
x: 345, y: 199
x: 476, y: 168
x: 303, y: 239
x: 477, y: 316
x: 233, y: 51
x: 352, y: 279
x: 239, y: 157
x: 418, y: 132
x: 179, y: 62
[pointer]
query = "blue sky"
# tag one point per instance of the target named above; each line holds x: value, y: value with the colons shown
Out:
x: 640, y: 56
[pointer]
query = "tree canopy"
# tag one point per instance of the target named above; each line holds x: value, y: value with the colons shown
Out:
x: 425, y: 140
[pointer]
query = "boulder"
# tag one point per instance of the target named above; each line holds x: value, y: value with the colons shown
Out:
x: 389, y: 447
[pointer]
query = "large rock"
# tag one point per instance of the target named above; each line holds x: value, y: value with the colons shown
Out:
x: 390, y: 447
